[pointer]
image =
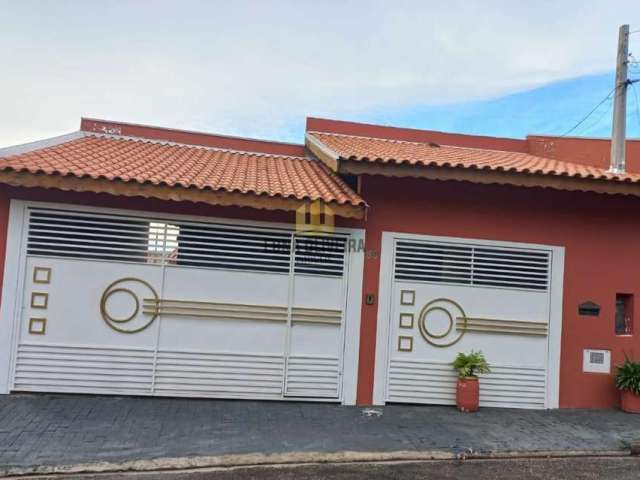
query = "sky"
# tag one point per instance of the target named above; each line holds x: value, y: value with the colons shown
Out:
x: 259, y: 68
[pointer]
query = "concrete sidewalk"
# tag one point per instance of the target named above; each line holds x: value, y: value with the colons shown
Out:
x: 37, y: 430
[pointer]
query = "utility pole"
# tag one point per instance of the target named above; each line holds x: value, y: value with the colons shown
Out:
x: 619, y: 130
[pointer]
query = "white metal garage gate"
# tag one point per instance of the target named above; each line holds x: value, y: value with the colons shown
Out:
x: 453, y: 295
x: 124, y: 304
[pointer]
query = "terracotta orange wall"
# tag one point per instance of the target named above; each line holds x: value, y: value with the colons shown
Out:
x: 415, y: 135
x: 190, y: 138
x: 587, y: 151
x: 586, y: 224
x: 601, y: 258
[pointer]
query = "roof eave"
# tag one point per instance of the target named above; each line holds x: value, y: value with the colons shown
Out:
x: 325, y: 154
x: 172, y: 193
x: 485, y: 176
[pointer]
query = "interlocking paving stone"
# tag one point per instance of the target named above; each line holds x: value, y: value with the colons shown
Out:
x: 68, y: 429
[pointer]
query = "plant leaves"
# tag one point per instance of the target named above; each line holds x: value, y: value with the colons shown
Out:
x: 470, y: 364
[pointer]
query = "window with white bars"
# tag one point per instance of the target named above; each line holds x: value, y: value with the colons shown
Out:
x: 472, y: 265
x: 238, y: 248
x: 110, y: 237
x: 320, y: 255
x: 90, y: 236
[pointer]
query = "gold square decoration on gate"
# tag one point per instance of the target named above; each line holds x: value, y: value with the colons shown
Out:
x: 405, y: 344
x: 39, y: 300
x: 406, y: 320
x: 41, y: 275
x: 407, y: 297
x: 37, y: 326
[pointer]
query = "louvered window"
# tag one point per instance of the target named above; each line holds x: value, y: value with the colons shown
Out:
x: 95, y: 236
x: 472, y: 265
x: 213, y: 246
x: 320, y: 255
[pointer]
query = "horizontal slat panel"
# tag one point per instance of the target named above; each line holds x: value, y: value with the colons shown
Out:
x: 82, y: 370
x: 218, y: 374
x: 85, y: 368
x: 207, y: 361
x: 96, y: 236
x: 434, y: 382
x: 86, y: 388
x: 320, y: 255
x: 312, y: 377
x: 471, y: 265
x: 185, y: 389
x: 215, y: 382
x: 67, y: 377
x: 400, y: 376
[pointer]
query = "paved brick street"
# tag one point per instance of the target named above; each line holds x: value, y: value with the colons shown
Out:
x: 67, y: 429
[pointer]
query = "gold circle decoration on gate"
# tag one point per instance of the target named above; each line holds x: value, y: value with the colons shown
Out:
x: 121, y: 324
x: 439, y: 305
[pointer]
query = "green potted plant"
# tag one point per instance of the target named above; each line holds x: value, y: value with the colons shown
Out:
x: 468, y: 365
x: 628, y: 382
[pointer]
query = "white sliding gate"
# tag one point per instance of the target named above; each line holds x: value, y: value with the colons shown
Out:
x: 441, y: 296
x: 119, y: 303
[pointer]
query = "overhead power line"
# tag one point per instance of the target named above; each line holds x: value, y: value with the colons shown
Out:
x: 584, y: 119
x: 598, y: 118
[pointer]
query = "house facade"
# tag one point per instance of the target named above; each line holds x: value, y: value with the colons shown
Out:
x: 351, y: 268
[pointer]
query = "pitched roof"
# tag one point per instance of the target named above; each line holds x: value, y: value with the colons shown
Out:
x: 138, y: 161
x: 360, y: 129
x: 398, y: 152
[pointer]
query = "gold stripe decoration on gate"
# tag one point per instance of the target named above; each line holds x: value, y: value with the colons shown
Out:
x: 451, y: 310
x: 135, y: 320
x: 238, y: 311
x: 152, y: 306
x: 495, y: 325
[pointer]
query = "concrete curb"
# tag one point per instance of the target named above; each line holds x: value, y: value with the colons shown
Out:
x: 261, y: 459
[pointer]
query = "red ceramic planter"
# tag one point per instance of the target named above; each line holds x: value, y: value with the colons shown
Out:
x: 468, y: 394
x: 630, y: 402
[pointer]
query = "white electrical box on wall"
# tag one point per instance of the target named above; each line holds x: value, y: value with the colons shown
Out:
x: 596, y: 361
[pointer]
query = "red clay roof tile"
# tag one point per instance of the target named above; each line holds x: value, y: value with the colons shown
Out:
x: 144, y: 161
x: 380, y: 150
